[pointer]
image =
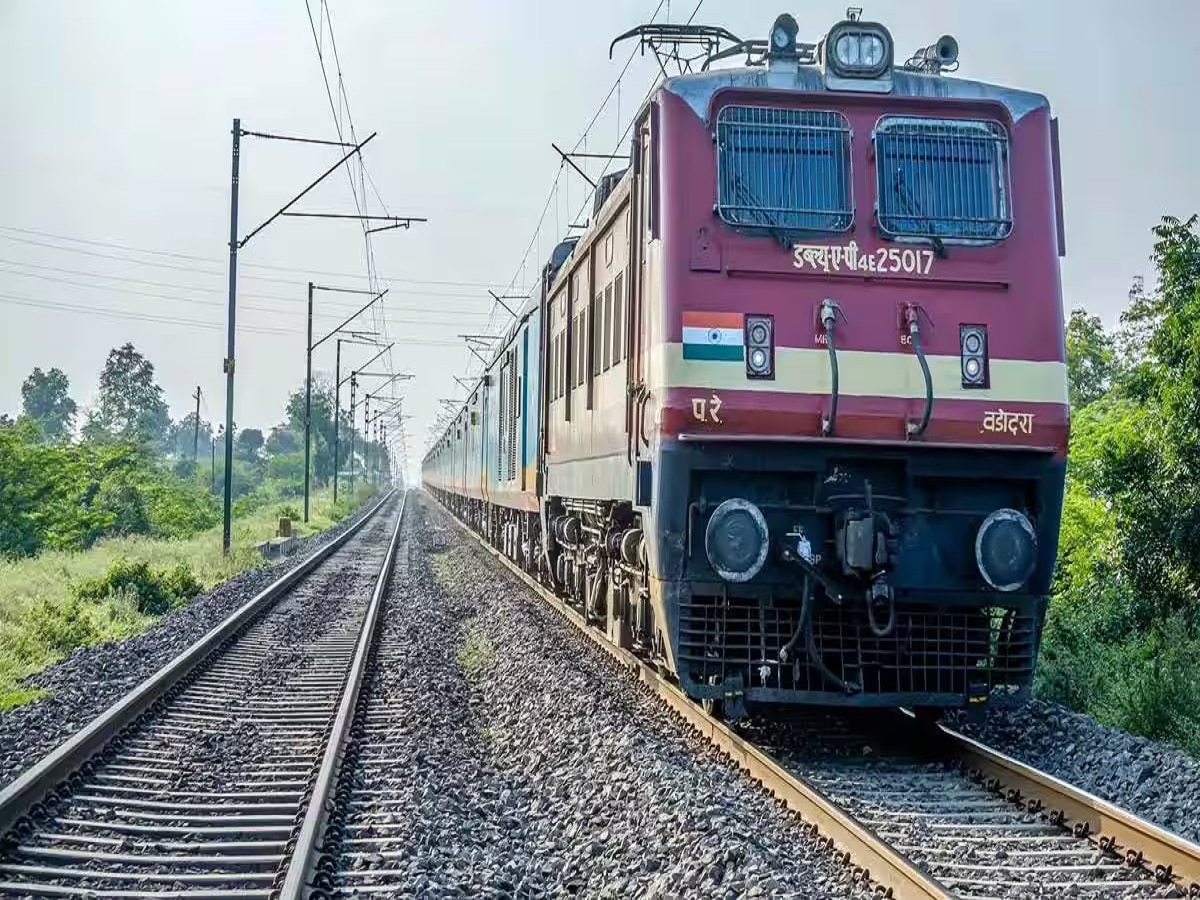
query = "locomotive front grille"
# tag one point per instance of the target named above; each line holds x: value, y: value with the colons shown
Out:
x: 932, y: 650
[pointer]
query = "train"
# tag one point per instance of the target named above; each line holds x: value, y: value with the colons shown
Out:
x: 788, y: 418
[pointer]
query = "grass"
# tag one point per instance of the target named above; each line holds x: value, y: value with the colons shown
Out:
x: 444, y: 569
x: 42, y: 620
x: 476, y: 653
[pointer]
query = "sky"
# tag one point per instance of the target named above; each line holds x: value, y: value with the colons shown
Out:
x: 115, y: 165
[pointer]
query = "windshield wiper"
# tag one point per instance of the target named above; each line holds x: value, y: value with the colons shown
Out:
x: 772, y: 225
x: 913, y: 207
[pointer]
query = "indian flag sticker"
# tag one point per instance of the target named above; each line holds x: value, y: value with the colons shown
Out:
x: 713, y: 336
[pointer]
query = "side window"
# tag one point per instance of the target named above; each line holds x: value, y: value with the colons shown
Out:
x: 606, y: 339
x: 582, y: 345
x: 554, y: 368
x: 575, y: 362
x: 597, y: 331
x: 618, y: 319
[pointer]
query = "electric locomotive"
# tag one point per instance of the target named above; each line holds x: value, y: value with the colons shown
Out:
x: 790, y: 416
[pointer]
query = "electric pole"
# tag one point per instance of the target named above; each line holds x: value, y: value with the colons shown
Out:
x: 196, y: 435
x: 308, y: 403
x: 227, y: 521
x: 235, y: 245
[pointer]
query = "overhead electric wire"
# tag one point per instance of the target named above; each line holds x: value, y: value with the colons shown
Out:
x: 578, y: 143
x: 288, y: 281
x: 109, y: 313
x: 625, y: 134
x: 213, y: 259
x: 360, y: 206
x: 297, y: 312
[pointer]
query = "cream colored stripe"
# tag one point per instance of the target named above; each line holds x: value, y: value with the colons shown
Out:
x: 863, y: 373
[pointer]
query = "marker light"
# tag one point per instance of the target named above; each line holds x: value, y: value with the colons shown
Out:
x: 760, y: 346
x: 973, y: 344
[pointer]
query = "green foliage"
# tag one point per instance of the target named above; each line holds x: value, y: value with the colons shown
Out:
x: 1123, y: 630
x: 1091, y: 358
x: 101, y: 535
x: 61, y: 628
x: 248, y: 443
x: 153, y: 591
x: 131, y: 407
x: 184, y: 439
x: 45, y: 400
x: 68, y: 496
x: 42, y: 616
x: 288, y: 511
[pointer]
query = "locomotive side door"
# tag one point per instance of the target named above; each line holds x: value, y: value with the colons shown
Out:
x: 642, y: 229
x: 522, y: 382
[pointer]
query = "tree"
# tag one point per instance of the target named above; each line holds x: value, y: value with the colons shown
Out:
x: 1091, y: 359
x: 248, y: 443
x: 283, y: 440
x: 45, y: 400
x: 182, y: 438
x: 131, y: 405
x: 322, y: 426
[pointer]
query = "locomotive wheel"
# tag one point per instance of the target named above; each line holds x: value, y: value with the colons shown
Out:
x: 713, y: 707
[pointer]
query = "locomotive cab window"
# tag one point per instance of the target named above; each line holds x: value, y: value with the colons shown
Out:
x: 944, y: 179
x: 784, y: 169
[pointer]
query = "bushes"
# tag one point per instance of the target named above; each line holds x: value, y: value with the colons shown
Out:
x: 1123, y: 628
x: 61, y: 628
x: 68, y: 496
x: 153, y: 592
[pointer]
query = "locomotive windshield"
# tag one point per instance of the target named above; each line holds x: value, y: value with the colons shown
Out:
x: 784, y: 169
x: 942, y: 178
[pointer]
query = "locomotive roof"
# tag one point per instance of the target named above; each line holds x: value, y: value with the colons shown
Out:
x: 698, y: 88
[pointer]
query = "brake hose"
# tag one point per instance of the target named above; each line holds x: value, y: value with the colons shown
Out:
x: 804, y: 631
x: 913, y: 314
x: 829, y: 314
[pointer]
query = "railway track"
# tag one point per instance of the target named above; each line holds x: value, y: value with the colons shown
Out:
x: 209, y: 779
x: 929, y: 814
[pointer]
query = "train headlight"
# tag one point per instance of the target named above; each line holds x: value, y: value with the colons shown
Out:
x: 974, y: 351
x: 760, y: 346
x: 859, y: 50
x: 736, y: 540
x: 1006, y: 550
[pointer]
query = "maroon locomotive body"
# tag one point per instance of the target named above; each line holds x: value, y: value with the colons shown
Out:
x: 792, y: 411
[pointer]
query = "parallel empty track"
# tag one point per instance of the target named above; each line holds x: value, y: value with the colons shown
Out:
x: 206, y: 792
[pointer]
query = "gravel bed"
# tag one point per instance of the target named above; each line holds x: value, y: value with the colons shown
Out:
x: 1153, y: 780
x: 502, y: 754
x: 91, y: 679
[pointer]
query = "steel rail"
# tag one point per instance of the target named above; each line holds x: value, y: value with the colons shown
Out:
x: 302, y: 865
x: 875, y: 862
x: 53, y: 770
x: 1115, y: 831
